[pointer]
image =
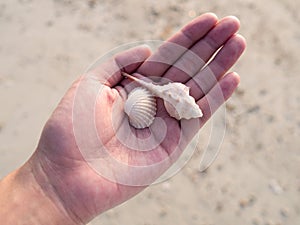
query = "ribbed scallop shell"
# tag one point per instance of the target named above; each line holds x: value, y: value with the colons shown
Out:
x: 140, y: 108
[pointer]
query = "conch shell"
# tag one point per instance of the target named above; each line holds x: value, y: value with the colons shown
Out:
x: 140, y: 108
x: 177, y: 100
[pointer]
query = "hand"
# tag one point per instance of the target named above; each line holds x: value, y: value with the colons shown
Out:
x: 58, y: 164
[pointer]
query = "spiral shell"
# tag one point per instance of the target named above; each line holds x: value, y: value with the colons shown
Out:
x: 140, y: 108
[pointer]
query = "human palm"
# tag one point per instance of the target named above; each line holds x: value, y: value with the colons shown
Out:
x: 84, y: 191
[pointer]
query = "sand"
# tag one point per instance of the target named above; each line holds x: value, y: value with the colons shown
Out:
x: 45, y: 45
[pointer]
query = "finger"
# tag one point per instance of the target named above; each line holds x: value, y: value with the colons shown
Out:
x: 109, y: 73
x: 194, y: 59
x: 218, y: 95
x: 174, y: 47
x: 202, y: 82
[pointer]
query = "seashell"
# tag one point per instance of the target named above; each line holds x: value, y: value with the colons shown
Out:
x: 177, y: 100
x: 140, y: 108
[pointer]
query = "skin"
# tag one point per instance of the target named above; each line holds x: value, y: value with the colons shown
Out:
x: 57, y: 186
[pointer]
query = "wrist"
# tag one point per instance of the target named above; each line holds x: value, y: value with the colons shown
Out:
x: 23, y: 200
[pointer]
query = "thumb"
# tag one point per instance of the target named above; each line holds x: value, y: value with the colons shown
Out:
x: 109, y: 72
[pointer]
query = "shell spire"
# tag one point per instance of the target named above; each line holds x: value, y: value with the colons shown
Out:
x: 177, y: 99
x: 149, y: 86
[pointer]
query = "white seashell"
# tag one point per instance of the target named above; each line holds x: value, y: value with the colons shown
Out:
x: 177, y: 99
x: 140, y: 107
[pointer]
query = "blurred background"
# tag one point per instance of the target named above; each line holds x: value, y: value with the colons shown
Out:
x: 45, y: 45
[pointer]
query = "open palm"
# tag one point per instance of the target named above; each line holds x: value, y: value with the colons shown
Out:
x: 129, y: 159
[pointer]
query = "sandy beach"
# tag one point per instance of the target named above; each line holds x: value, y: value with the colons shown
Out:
x: 255, y: 180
